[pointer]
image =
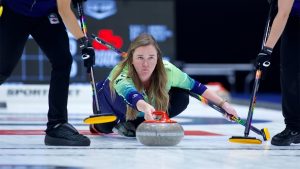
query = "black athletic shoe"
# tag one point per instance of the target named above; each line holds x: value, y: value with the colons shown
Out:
x: 3, y: 105
x: 65, y: 135
x: 286, y: 137
x: 126, y: 129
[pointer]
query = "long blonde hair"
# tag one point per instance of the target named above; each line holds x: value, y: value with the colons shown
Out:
x: 157, y: 93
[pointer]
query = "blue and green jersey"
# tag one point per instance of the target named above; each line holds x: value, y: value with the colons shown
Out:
x: 126, y: 93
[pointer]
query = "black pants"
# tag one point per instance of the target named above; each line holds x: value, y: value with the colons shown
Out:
x: 179, y: 100
x: 290, y: 73
x: 53, y: 40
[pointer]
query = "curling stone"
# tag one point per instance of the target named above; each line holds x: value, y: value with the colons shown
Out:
x: 162, y: 132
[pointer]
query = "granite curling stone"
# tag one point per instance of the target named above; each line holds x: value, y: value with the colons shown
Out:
x: 162, y: 132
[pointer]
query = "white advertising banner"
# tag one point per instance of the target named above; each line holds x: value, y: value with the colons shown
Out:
x: 36, y: 96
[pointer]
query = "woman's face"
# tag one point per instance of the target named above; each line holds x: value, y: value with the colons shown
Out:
x: 144, y: 61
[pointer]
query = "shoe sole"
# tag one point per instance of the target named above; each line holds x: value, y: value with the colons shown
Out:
x: 52, y: 141
x: 279, y: 144
x: 297, y: 140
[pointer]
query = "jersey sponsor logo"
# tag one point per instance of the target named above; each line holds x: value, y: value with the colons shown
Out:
x: 134, y: 96
x: 53, y: 19
x: 117, y: 81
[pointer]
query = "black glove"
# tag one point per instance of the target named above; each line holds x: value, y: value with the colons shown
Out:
x: 263, y: 59
x: 87, y: 51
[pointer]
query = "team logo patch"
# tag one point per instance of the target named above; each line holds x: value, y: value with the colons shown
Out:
x: 53, y: 18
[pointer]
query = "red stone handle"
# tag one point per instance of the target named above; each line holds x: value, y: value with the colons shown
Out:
x: 163, y: 119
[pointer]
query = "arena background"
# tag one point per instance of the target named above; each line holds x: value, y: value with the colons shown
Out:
x: 188, y: 31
